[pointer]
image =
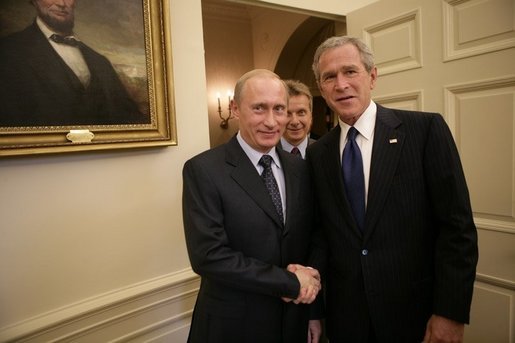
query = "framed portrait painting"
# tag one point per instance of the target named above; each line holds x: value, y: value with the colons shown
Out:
x: 85, y: 75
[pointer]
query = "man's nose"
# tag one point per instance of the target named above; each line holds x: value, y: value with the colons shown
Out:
x: 294, y: 120
x: 270, y: 120
x: 341, y: 81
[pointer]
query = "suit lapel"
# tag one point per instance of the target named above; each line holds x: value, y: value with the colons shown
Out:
x: 245, y: 174
x: 386, y: 152
x: 292, y: 187
x: 47, y: 63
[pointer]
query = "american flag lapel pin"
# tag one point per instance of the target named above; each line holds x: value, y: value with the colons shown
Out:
x: 393, y: 141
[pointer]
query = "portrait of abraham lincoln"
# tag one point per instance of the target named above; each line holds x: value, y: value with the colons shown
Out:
x: 73, y: 63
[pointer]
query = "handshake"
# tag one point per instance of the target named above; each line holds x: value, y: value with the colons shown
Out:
x: 310, y: 283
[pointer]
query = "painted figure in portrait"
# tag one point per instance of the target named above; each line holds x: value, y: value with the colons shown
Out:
x: 50, y: 76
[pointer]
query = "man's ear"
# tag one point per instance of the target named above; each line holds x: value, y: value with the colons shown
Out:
x: 235, y: 111
x: 373, y: 77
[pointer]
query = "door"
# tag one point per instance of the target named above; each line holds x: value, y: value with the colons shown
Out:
x: 457, y: 57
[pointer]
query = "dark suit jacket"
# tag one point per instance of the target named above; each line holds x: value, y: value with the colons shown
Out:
x: 39, y: 89
x: 418, y: 251
x: 238, y: 246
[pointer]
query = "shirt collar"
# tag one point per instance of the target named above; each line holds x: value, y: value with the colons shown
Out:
x: 46, y: 30
x: 287, y: 146
x: 255, y: 155
x: 365, y: 123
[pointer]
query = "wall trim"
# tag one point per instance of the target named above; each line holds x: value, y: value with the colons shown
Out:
x: 495, y: 281
x: 406, y: 25
x: 454, y: 91
x: 416, y: 97
x: 454, y: 49
x: 98, y: 311
x: 495, y: 225
x: 292, y: 9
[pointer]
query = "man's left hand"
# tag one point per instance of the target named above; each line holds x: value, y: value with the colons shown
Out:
x: 442, y: 330
x: 314, y: 331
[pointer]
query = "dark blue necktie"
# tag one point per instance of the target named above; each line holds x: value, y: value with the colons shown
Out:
x: 271, y: 184
x: 352, y: 165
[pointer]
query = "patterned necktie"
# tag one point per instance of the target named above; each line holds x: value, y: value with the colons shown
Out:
x: 68, y: 40
x: 352, y: 165
x: 271, y: 184
x: 295, y: 151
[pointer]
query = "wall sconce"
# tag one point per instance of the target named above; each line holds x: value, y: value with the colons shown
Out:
x: 225, y: 119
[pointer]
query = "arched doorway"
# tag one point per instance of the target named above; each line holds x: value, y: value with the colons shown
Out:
x: 295, y: 62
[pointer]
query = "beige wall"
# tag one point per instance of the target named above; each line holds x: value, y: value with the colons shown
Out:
x: 241, y: 39
x: 91, y: 244
x: 321, y: 7
x: 228, y: 46
x: 84, y: 230
x: 457, y: 58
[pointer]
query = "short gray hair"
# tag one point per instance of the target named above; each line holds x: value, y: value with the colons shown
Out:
x: 238, y: 89
x: 367, y: 58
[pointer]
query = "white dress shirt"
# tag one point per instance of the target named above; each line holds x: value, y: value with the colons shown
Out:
x: 365, y: 139
x: 71, y: 55
x: 302, y: 146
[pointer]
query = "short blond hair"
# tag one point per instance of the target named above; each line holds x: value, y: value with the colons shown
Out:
x: 296, y: 88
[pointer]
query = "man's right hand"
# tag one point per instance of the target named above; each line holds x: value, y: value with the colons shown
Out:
x: 310, y: 284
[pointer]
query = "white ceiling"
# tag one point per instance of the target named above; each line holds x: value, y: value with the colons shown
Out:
x: 331, y: 9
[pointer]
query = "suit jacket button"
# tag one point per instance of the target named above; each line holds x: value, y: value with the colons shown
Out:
x: 364, y: 252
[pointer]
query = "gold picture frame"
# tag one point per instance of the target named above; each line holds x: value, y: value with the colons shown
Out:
x: 158, y: 130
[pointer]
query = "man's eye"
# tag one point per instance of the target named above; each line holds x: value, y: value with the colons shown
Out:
x: 328, y: 78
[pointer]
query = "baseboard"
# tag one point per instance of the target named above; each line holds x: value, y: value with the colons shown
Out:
x: 150, y: 311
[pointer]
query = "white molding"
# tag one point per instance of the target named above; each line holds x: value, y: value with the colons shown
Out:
x: 495, y: 225
x: 451, y: 93
x: 495, y: 281
x: 452, y: 51
x: 225, y: 12
x: 292, y: 9
x: 411, y: 21
x: 416, y: 96
x: 96, y: 312
x: 154, y: 329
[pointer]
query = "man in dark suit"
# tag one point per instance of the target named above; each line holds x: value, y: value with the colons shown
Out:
x: 250, y: 244
x: 49, y: 78
x: 399, y: 234
x: 300, y: 110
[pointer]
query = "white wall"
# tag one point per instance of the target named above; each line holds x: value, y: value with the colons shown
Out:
x: 91, y: 244
x: 76, y: 228
x: 331, y: 7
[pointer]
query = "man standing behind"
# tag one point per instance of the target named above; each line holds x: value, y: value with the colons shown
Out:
x: 247, y: 211
x: 394, y: 209
x: 300, y: 109
x: 50, y: 78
